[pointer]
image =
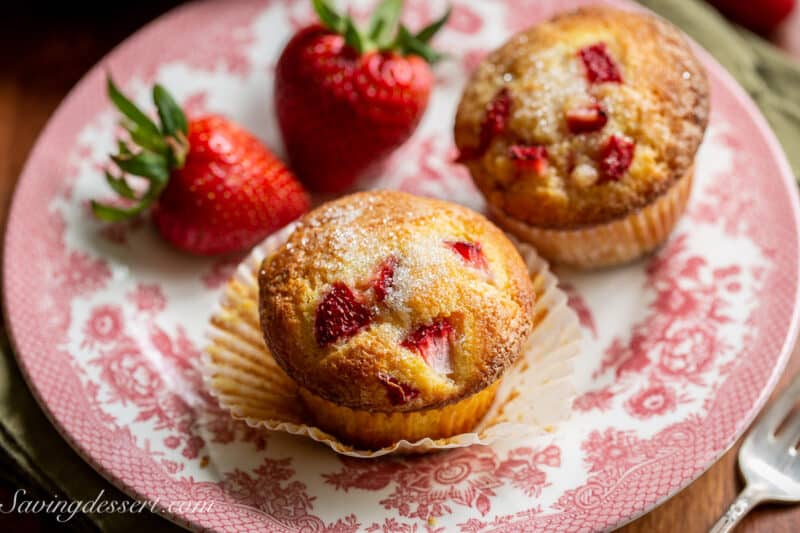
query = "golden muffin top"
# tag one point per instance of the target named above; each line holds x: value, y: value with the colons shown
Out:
x: 584, y: 118
x: 385, y: 301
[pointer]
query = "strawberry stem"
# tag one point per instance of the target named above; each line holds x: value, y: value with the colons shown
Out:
x: 384, y: 22
x: 408, y: 44
x: 385, y: 32
x: 428, y: 32
x: 138, y: 120
x: 353, y: 37
x: 328, y: 16
x: 120, y: 186
x: 159, y: 150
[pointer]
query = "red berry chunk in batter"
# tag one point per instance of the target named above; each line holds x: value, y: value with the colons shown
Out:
x: 494, y: 123
x: 586, y: 119
x: 529, y: 157
x: 600, y: 67
x: 398, y: 393
x: 384, y: 279
x: 470, y: 252
x: 615, y: 158
x: 496, y: 116
x: 339, y: 315
x: 432, y: 343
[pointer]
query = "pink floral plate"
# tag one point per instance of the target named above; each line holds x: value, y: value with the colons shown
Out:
x: 682, y: 349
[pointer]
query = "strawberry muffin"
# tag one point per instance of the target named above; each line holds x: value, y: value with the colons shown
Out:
x: 396, y: 315
x: 582, y: 133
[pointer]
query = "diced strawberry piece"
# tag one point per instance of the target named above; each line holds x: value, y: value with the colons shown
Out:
x: 398, y: 393
x: 494, y: 123
x: 384, y: 279
x: 529, y: 157
x: 471, y: 253
x: 468, y: 154
x: 586, y: 119
x: 615, y: 158
x: 600, y: 67
x: 339, y: 315
x: 432, y: 343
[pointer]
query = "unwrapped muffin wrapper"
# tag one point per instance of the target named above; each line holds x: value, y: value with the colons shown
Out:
x: 534, y: 395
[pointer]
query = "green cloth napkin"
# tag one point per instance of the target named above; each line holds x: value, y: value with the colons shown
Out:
x: 37, y: 458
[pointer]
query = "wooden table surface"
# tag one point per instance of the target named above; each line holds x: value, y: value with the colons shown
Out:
x: 46, y: 51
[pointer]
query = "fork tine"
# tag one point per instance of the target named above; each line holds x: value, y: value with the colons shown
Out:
x: 778, y: 411
x: 790, y: 432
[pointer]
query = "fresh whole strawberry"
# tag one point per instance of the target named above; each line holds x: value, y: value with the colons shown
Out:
x: 761, y: 16
x: 212, y: 186
x: 345, y: 98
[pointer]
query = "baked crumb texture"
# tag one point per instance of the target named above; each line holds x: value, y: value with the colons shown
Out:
x: 612, y: 243
x: 387, y: 302
x: 584, y: 119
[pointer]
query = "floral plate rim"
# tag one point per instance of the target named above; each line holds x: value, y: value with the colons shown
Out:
x: 88, y: 86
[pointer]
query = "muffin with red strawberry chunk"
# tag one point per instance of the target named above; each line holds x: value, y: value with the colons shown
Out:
x: 582, y: 133
x: 396, y: 315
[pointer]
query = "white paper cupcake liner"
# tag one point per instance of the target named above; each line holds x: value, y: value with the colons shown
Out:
x: 613, y: 243
x: 534, y: 396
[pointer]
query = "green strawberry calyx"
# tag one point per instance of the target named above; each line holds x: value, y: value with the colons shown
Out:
x: 385, y: 32
x: 152, y: 151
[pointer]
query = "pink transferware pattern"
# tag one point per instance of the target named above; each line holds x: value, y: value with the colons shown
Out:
x: 682, y: 348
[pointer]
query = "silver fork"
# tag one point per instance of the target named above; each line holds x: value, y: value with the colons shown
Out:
x: 769, y: 461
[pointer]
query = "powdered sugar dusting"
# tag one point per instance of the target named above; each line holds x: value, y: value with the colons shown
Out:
x: 552, y: 97
x: 414, y: 263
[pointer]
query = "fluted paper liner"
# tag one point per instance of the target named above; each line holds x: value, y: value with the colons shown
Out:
x: 534, y: 395
x: 609, y: 244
